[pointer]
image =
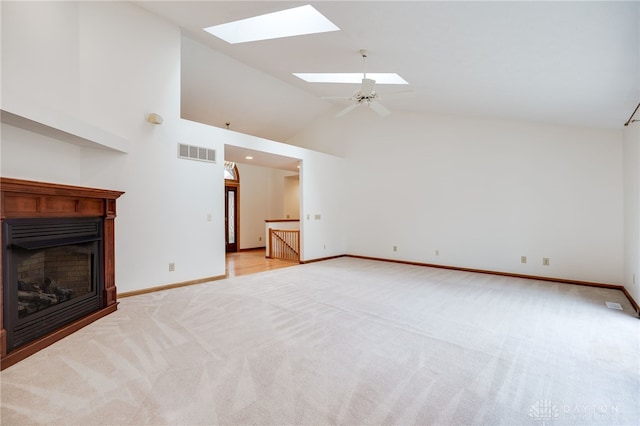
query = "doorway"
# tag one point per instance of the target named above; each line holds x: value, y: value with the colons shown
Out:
x: 231, y: 218
x: 231, y: 207
x: 270, y: 191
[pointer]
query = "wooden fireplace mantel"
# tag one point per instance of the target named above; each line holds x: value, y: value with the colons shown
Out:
x: 31, y: 199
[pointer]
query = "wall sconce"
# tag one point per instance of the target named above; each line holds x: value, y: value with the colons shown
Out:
x: 154, y: 118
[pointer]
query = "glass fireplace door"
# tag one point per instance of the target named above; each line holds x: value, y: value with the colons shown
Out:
x: 52, y: 275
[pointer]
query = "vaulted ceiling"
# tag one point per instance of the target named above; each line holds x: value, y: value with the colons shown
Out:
x: 574, y: 63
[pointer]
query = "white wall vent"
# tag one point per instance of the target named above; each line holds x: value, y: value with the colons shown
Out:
x: 190, y: 152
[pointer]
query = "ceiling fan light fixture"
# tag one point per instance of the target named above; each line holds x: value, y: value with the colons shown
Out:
x: 300, y: 20
x: 367, y: 94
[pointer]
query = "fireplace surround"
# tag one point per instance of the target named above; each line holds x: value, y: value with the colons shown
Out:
x: 57, y: 263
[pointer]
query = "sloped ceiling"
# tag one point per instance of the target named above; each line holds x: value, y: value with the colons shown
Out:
x: 574, y: 63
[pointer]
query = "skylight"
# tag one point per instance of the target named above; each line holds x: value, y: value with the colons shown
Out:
x: 286, y: 23
x: 380, y: 78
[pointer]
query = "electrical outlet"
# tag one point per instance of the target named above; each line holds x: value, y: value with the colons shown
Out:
x: 395, y: 248
x: 545, y: 261
x: 172, y: 267
x: 523, y: 259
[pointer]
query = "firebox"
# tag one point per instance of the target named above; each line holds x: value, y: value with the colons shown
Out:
x: 52, y: 274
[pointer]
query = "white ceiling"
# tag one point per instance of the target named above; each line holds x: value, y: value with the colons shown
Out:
x: 260, y: 158
x: 575, y: 63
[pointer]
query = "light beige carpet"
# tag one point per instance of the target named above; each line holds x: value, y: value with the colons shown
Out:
x: 346, y: 341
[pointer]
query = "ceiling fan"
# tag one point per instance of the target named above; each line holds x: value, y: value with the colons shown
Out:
x: 366, y: 95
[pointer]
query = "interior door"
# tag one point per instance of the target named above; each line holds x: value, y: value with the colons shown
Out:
x: 231, y: 218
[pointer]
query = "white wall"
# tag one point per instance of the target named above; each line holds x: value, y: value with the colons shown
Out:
x: 28, y: 155
x: 292, y: 197
x: 480, y: 192
x: 254, y: 204
x: 37, y: 68
x: 278, y: 196
x: 632, y: 210
x: 91, y: 61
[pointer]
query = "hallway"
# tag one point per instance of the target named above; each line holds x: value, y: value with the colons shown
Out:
x: 252, y: 261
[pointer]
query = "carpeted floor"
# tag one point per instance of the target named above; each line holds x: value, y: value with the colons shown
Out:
x: 346, y: 341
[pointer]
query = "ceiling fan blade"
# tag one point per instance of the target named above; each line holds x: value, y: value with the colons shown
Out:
x: 379, y: 108
x: 367, y: 86
x: 347, y: 110
x: 401, y: 94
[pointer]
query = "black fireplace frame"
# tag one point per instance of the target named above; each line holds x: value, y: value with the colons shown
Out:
x: 32, y: 234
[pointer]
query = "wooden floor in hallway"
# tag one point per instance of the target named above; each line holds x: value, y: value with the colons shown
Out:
x: 252, y: 261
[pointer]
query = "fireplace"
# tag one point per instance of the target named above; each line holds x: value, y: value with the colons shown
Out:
x: 57, y: 263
